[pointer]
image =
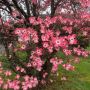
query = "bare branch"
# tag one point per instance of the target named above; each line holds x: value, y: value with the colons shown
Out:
x: 7, y: 4
x: 27, y: 7
x: 19, y: 9
x: 52, y: 8
x: 34, y: 7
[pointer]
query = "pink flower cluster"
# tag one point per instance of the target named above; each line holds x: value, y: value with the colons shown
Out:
x: 35, y: 59
x: 72, y: 39
x: 26, y: 34
x: 8, y: 73
x: 1, y: 81
x: 80, y: 52
x: 15, y: 85
x: 55, y: 63
x: 29, y: 82
x: 67, y: 29
x: 8, y: 84
x: 20, y: 69
x: 67, y: 52
x: 68, y: 67
x: 50, y: 40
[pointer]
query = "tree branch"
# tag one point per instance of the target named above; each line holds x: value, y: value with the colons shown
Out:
x: 34, y: 7
x: 7, y: 4
x: 52, y: 8
x: 4, y: 9
x: 57, y: 3
x: 19, y: 9
x: 27, y: 7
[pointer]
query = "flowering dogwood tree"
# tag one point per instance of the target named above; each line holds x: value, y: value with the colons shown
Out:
x: 41, y: 28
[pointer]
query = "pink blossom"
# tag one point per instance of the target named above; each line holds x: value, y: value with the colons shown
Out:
x: 18, y: 31
x: 55, y: 62
x: 34, y: 1
x: 68, y: 67
x: 23, y: 46
x: 15, y: 14
x: 67, y: 52
x: 45, y: 37
x: 32, y: 20
x: 57, y: 41
x: 1, y: 81
x: 5, y: 86
x: 45, y: 44
x: 8, y: 73
x: 50, y: 49
x: 39, y: 51
x: 57, y: 32
x: 72, y: 39
x: 17, y: 76
x: 45, y: 74
x: 17, y: 68
x: 29, y: 83
x: 43, y: 29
